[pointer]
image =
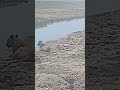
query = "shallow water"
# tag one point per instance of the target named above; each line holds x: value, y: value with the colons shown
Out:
x: 58, y: 30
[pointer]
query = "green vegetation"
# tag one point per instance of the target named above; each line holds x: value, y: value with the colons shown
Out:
x: 47, y: 12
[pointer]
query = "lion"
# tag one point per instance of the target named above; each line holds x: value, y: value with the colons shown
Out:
x: 25, y: 50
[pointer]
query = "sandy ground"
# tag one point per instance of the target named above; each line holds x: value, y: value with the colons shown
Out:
x: 60, y: 64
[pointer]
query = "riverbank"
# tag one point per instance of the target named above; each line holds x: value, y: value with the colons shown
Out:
x: 58, y: 30
x: 48, y: 12
x: 60, y: 64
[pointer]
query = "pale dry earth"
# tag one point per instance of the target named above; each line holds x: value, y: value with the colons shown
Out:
x: 60, y: 64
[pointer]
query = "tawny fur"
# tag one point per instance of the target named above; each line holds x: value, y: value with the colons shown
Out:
x: 24, y: 53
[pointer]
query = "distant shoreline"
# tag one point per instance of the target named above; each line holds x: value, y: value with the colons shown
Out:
x: 59, y: 30
x: 59, y: 21
x: 49, y: 12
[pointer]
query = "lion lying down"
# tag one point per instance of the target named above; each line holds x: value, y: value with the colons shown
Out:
x: 24, y: 52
